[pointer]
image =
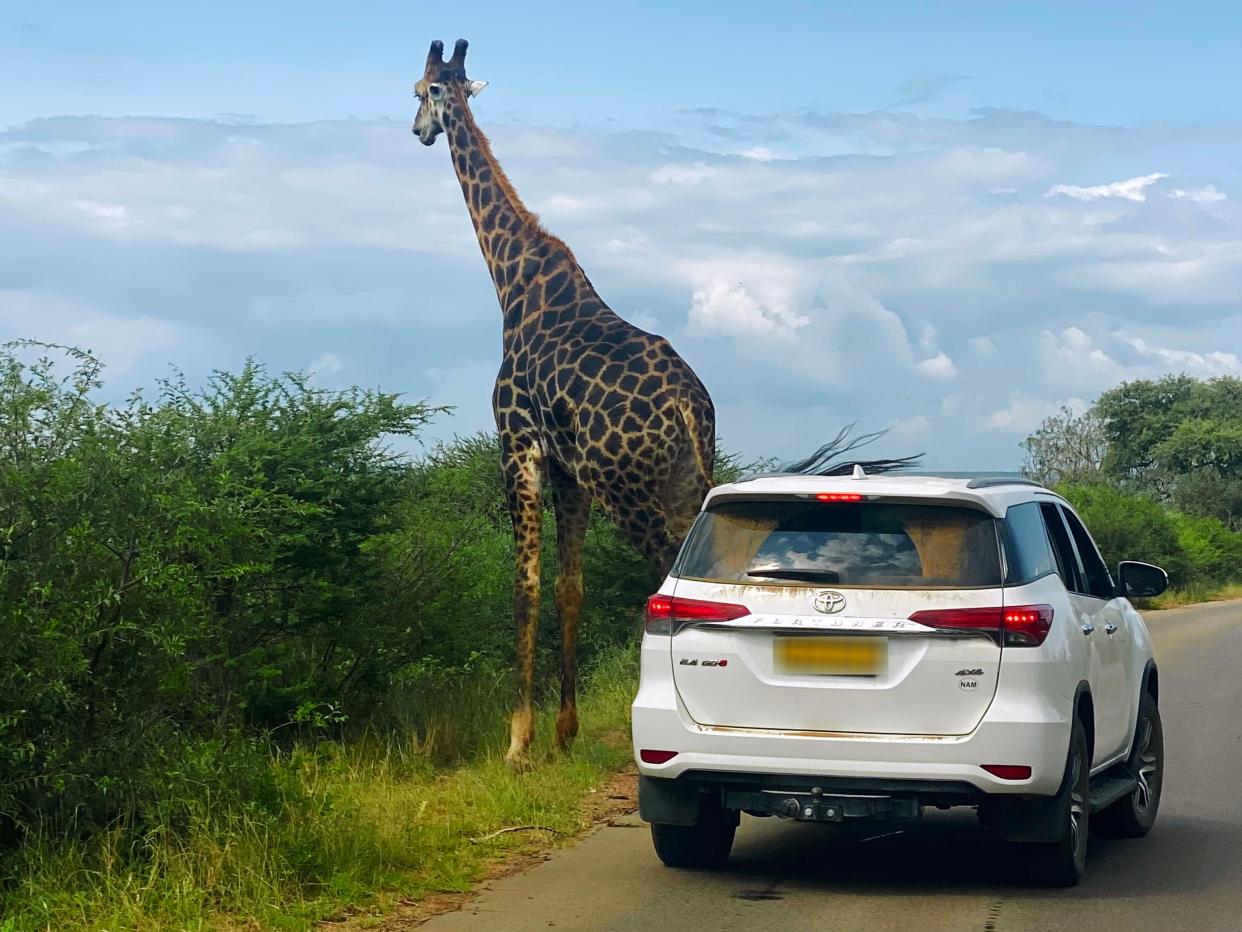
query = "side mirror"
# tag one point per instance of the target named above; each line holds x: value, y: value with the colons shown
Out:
x: 1141, y: 580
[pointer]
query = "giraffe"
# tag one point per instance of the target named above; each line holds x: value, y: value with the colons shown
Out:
x: 603, y: 411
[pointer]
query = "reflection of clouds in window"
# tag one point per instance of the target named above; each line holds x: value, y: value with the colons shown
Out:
x: 852, y: 556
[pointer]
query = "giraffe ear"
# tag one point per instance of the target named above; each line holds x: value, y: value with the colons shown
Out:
x: 475, y: 88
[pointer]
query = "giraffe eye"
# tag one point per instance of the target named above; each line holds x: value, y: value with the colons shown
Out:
x: 435, y: 91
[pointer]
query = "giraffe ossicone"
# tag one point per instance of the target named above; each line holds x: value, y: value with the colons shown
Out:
x: 603, y: 411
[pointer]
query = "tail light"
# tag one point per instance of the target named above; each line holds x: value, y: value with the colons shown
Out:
x: 665, y: 612
x: 838, y: 497
x: 1014, y: 625
x: 1027, y: 625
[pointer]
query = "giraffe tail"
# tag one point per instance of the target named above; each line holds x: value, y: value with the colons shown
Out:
x: 701, y: 428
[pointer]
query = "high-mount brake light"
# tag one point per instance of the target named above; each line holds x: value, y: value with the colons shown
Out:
x: 838, y: 497
x: 665, y: 611
x: 1014, y: 626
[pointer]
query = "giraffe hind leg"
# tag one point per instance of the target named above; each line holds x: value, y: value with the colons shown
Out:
x: 573, y: 511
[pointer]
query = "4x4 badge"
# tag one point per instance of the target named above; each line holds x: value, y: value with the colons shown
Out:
x: 829, y: 602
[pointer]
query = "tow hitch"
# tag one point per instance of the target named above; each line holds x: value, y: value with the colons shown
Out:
x: 817, y: 807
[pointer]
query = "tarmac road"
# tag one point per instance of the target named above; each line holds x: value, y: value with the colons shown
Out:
x: 945, y: 872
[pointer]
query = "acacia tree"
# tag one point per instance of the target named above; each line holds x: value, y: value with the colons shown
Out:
x: 1066, y: 447
x: 1179, y: 438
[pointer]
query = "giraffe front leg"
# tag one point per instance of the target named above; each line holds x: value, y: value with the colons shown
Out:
x: 573, y: 510
x: 523, y: 475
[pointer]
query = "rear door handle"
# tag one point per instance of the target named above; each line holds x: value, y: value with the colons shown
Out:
x: 1087, y: 627
x: 1110, y: 628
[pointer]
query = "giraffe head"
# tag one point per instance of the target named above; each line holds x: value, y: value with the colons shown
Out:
x: 443, y: 89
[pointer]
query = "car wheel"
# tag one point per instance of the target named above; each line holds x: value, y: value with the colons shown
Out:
x: 1061, y: 863
x: 707, y: 843
x: 1134, y: 816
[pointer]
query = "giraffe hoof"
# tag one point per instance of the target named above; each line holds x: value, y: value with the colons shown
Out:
x: 566, y: 728
x: 519, y: 762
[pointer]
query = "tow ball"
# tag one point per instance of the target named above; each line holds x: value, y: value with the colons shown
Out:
x: 817, y: 807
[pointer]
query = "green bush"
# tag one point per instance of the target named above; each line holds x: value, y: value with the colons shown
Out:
x: 248, y: 561
x: 1128, y: 526
x: 1213, y: 550
x: 178, y: 568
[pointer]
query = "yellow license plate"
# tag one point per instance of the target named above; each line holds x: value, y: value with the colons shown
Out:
x: 831, y: 656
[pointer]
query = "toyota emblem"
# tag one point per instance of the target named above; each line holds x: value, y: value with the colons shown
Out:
x: 829, y: 602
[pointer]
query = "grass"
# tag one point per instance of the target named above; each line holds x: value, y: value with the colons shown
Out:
x: 1195, y: 593
x: 324, y: 828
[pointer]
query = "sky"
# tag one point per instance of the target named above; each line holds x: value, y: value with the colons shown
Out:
x: 948, y: 220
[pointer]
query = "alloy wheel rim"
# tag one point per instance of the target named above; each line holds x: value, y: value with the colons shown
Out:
x: 1148, y: 769
x: 1077, y: 807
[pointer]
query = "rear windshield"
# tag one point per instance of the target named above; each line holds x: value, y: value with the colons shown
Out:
x: 868, y: 544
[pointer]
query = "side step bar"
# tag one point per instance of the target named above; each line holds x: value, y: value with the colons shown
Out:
x: 1111, y: 786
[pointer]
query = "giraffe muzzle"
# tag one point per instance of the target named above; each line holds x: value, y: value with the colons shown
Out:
x: 426, y: 137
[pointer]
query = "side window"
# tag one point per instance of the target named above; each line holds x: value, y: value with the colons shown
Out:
x: 1062, y: 548
x: 1028, y: 555
x: 1099, y: 581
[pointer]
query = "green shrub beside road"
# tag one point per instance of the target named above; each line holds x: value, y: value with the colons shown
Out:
x: 215, y: 602
x: 1200, y: 554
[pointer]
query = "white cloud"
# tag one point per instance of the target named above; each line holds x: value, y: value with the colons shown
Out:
x: 644, y: 318
x: 910, y: 434
x: 120, y: 341
x: 1071, y: 359
x: 467, y: 388
x: 111, y: 215
x: 1023, y: 413
x: 1204, y: 195
x: 747, y: 295
x: 1132, y: 189
x: 721, y: 307
x: 1204, y: 365
x: 939, y: 366
x: 327, y: 364
x: 982, y: 347
x: 684, y: 174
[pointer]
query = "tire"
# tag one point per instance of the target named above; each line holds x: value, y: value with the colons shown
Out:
x: 705, y: 844
x: 1134, y: 816
x: 1062, y: 863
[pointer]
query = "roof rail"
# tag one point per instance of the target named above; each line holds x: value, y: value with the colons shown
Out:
x: 988, y: 482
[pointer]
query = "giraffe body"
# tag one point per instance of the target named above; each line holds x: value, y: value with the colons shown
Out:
x: 602, y: 410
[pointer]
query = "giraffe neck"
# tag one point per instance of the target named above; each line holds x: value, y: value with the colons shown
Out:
x: 514, y: 245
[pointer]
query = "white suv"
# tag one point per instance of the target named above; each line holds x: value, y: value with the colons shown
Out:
x: 849, y: 648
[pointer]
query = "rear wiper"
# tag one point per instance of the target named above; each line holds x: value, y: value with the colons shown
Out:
x: 824, y: 576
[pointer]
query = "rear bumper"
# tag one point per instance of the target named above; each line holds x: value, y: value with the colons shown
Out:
x: 1006, y: 735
